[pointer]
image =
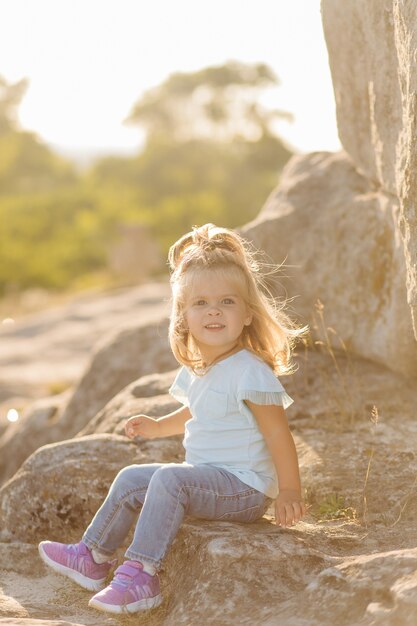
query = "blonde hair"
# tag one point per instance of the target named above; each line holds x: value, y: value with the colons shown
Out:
x: 271, y: 334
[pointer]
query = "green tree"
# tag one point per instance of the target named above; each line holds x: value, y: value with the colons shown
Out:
x: 210, y: 150
x: 220, y: 102
x: 210, y: 155
x: 26, y: 164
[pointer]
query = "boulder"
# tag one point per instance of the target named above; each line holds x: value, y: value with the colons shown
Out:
x: 296, y: 583
x: 372, y: 48
x: 49, y: 350
x: 117, y: 361
x: 62, y: 485
x: 148, y: 395
x: 121, y: 358
x: 368, y: 589
x: 138, y: 398
x: 340, y: 240
x: 38, y: 425
x: 352, y: 560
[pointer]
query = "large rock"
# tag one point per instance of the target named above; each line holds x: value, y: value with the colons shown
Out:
x: 148, y: 396
x: 38, y: 425
x: 372, y: 53
x: 62, y: 485
x: 119, y: 360
x: 246, y: 574
x: 376, y: 589
x: 339, y: 238
x: 351, y: 561
x: 49, y: 350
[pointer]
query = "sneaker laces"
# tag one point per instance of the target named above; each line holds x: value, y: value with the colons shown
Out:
x: 77, y: 554
x: 73, y: 547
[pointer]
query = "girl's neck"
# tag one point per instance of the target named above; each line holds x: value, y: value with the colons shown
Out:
x: 210, y: 361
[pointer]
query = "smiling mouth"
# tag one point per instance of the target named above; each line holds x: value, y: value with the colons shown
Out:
x: 214, y: 326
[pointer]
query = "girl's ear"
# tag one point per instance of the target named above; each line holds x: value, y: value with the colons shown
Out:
x: 248, y: 319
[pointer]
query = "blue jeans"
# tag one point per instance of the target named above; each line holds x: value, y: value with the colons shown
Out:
x: 163, y: 494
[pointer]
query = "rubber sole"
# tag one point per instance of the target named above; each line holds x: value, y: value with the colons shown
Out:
x: 133, y: 607
x: 80, y: 579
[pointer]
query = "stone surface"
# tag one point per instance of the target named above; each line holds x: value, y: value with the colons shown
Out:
x: 351, y: 561
x: 46, y: 598
x: 377, y: 589
x: 148, y: 395
x: 37, y: 350
x: 341, y: 245
x: 120, y: 360
x: 52, y: 348
x: 62, y: 485
x: 15, y: 621
x: 38, y: 425
x: 372, y: 48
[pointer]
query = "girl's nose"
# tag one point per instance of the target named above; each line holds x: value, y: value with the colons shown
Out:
x: 214, y: 311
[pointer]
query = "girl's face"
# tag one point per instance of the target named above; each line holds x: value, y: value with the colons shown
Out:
x: 215, y: 314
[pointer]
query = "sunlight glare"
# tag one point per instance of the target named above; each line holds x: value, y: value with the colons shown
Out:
x: 12, y: 415
x: 8, y: 321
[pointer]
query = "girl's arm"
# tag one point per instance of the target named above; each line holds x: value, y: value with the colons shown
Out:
x: 289, y: 507
x: 165, y: 426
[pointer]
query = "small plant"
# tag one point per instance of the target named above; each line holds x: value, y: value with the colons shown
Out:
x: 374, y: 421
x: 334, y: 507
x: 405, y: 502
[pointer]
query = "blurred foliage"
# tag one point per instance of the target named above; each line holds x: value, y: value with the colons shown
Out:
x: 28, y: 166
x: 10, y: 97
x: 210, y: 155
x: 216, y: 102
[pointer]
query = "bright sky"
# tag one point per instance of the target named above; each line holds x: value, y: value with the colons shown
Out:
x: 88, y: 61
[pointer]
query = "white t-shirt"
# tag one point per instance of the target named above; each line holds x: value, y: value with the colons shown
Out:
x: 222, y: 430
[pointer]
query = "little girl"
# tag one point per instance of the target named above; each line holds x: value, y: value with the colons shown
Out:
x: 232, y: 341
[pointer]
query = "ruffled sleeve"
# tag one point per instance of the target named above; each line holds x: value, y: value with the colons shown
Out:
x: 180, y: 386
x: 258, y: 384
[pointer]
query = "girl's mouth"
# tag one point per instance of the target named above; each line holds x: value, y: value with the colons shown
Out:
x: 214, y: 326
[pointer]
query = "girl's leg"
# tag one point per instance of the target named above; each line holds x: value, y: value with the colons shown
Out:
x: 201, y: 491
x: 105, y: 533
x: 120, y: 509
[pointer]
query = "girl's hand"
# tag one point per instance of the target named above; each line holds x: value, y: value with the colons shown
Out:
x: 289, y: 508
x: 142, y: 425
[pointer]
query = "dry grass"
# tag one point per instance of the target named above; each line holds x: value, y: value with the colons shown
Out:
x: 341, y: 385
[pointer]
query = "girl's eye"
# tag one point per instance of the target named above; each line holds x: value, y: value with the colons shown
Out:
x: 200, y: 302
x: 228, y: 301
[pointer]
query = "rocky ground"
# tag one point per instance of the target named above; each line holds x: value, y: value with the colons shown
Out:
x: 353, y: 560
x: 47, y: 351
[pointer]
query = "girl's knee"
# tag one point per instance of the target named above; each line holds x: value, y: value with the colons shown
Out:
x: 128, y: 477
x: 170, y: 474
x: 127, y: 473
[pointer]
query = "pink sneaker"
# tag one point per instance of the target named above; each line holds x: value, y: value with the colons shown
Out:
x: 131, y: 590
x: 76, y: 562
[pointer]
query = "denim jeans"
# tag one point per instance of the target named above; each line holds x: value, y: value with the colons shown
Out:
x: 163, y: 494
